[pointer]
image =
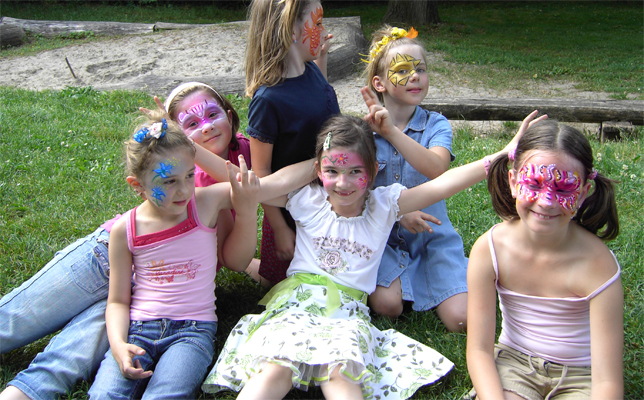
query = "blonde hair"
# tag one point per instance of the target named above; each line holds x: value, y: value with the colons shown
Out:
x: 138, y: 155
x: 377, y: 62
x: 270, y: 36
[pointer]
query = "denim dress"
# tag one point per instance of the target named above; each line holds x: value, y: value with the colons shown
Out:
x: 432, y: 266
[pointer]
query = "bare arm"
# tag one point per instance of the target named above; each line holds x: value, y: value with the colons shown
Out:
x: 117, y: 313
x: 481, y: 322
x: 607, y: 342
x: 322, y: 61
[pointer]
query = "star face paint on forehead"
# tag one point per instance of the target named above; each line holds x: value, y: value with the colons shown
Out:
x: 549, y: 184
x: 401, y: 68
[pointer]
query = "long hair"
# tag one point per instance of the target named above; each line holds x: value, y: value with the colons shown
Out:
x: 138, y: 154
x: 351, y: 133
x: 186, y: 89
x: 599, y: 209
x: 377, y: 64
x: 270, y: 36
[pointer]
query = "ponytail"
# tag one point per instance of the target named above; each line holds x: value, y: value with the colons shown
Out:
x: 599, y: 210
x: 498, y: 184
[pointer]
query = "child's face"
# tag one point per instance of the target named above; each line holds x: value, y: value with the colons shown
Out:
x: 405, y: 79
x: 310, y: 33
x: 548, y: 190
x: 170, y: 181
x: 202, y: 118
x: 345, y: 179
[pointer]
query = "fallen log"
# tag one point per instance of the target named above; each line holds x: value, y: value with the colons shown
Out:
x: 512, y: 109
x: 58, y: 28
x: 11, y: 35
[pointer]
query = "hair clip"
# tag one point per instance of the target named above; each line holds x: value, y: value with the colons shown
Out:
x: 512, y: 154
x: 156, y: 130
x: 327, y: 141
x: 396, y: 33
x: 593, y: 175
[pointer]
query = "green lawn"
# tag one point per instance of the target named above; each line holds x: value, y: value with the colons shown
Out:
x: 62, y: 173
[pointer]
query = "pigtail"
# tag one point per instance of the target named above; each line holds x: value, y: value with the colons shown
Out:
x: 599, y: 210
x: 498, y: 185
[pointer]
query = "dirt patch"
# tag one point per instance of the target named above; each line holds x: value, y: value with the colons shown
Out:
x: 157, y: 62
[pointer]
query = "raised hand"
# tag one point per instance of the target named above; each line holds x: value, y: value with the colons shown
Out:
x: 527, y: 122
x: 160, y: 106
x: 378, y: 117
x: 244, y: 188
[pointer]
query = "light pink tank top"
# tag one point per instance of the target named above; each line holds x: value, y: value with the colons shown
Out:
x: 555, y: 329
x: 174, y: 270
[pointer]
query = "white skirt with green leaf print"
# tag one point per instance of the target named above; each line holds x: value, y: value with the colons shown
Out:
x: 295, y: 332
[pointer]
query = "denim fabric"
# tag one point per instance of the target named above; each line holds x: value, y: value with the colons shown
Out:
x: 432, y: 266
x: 69, y: 292
x: 179, y: 352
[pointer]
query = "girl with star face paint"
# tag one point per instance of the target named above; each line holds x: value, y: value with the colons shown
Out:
x: 423, y: 264
x: 560, y: 292
x: 160, y: 313
x: 286, y: 57
x: 316, y: 329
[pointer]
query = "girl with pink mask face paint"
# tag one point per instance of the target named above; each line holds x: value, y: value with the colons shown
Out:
x: 316, y: 329
x: 286, y: 58
x: 560, y: 292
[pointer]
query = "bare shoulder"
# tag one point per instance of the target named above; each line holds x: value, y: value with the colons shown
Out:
x: 597, y: 263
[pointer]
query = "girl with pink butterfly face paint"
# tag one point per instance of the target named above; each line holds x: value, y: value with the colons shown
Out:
x: 558, y: 284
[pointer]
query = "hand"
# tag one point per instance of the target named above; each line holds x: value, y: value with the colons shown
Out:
x: 527, y: 122
x: 378, y: 117
x: 326, y: 45
x: 131, y: 369
x: 244, y: 188
x: 284, y: 244
x: 160, y: 106
x: 415, y: 222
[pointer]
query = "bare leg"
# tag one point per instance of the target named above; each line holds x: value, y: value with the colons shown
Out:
x: 387, y: 300
x: 338, y: 388
x: 273, y: 382
x: 13, y: 393
x: 253, y: 272
x: 453, y: 312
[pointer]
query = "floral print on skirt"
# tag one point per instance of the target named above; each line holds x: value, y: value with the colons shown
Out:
x: 295, y: 332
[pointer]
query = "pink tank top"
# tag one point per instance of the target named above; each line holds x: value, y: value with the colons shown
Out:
x: 555, y: 329
x: 174, y: 270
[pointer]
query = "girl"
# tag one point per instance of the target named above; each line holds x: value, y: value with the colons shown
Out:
x: 558, y: 284
x: 286, y: 57
x: 70, y: 292
x: 160, y: 310
x: 316, y: 328
x: 420, y: 264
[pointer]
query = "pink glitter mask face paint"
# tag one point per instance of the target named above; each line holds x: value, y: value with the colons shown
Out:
x: 347, y: 164
x: 195, y: 117
x: 549, y: 184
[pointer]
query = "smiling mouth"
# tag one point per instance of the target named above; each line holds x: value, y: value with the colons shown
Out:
x: 345, y: 193
x: 212, y: 138
x: 180, y: 203
x: 543, y: 216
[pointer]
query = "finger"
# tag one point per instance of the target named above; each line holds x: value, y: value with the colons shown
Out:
x: 329, y: 36
x: 243, y: 170
x: 541, y: 118
x: 369, y: 97
x: 145, y: 110
x: 159, y: 104
x: 231, y: 173
x: 430, y: 218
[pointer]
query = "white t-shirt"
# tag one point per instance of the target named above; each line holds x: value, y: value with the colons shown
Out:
x: 348, y: 250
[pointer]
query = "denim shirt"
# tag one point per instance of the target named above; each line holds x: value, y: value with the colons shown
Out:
x: 432, y: 266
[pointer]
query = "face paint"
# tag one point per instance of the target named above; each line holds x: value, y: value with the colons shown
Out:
x: 314, y: 31
x: 195, y: 117
x: 348, y: 165
x: 163, y: 171
x: 401, y: 68
x: 549, y: 184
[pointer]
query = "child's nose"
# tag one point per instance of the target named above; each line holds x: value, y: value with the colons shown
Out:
x: 206, y: 129
x: 545, y: 199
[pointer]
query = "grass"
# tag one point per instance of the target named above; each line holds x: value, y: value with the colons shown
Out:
x: 61, y: 159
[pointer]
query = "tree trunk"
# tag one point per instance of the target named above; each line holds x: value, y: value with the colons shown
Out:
x: 419, y: 12
x: 11, y: 35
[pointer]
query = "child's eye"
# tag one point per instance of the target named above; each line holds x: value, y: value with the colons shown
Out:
x: 420, y: 70
x: 403, y: 71
x: 191, y: 175
x: 169, y: 182
x: 534, y: 187
x: 356, y: 171
x: 213, y: 115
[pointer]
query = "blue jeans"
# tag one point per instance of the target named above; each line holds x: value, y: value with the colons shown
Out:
x: 69, y: 292
x: 179, y: 352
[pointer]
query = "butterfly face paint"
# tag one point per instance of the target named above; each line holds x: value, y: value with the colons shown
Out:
x: 549, y: 184
x: 313, y: 30
x: 401, y: 68
x: 196, y: 116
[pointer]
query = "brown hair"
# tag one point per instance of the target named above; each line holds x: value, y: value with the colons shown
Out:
x: 377, y: 64
x: 182, y: 91
x: 138, y: 155
x: 352, y: 133
x: 598, y: 210
x: 270, y: 36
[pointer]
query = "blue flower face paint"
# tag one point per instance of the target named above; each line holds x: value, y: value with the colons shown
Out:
x: 170, y: 182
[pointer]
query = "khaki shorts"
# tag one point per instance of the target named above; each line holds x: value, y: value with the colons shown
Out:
x: 534, y: 378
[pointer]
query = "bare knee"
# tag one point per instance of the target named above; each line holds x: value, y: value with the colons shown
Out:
x: 339, y: 388
x: 453, y: 313
x: 387, y: 301
x: 13, y: 393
